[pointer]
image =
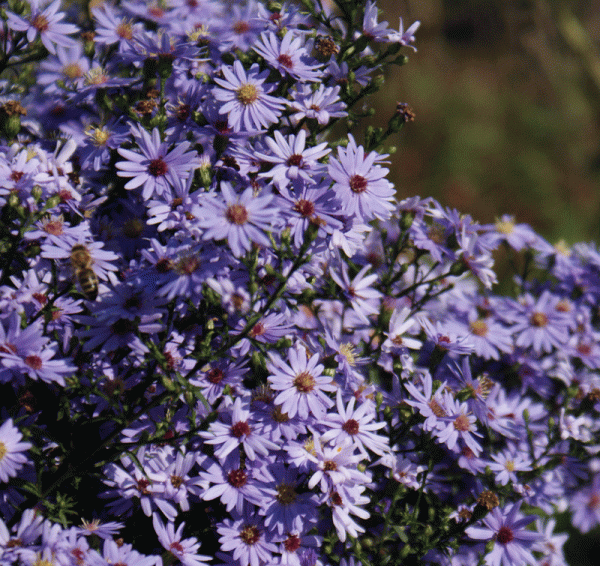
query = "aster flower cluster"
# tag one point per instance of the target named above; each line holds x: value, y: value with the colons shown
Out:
x: 222, y: 340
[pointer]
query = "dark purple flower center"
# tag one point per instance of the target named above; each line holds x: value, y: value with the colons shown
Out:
x: 176, y: 481
x: 215, y: 376
x: 329, y: 466
x: 285, y: 60
x: 124, y: 31
x: 257, y: 330
x: 142, y: 486
x: 34, y: 362
x: 250, y: 534
x: 237, y: 214
x: 122, y: 327
x: 292, y: 543
x: 304, y: 208
x: 294, y: 160
x: 175, y: 546
x: 304, y: 382
x: 358, y: 184
x: 240, y: 429
x: 241, y: 27
x: 436, y: 409
x: 505, y: 535
x: 237, y: 478
x: 351, y: 427
x: 158, y: 167
x: 336, y: 499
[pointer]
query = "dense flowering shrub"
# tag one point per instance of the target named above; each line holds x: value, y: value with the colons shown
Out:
x: 223, y: 341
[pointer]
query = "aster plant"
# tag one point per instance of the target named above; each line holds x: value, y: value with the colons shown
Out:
x: 223, y: 341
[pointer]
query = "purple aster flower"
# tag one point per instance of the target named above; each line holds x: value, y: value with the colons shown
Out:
x: 96, y: 527
x: 364, y: 299
x: 156, y: 168
x: 542, y: 324
x: 247, y: 537
x: 371, y: 28
x: 346, y: 500
x: 507, y: 463
x: 303, y: 205
x: 38, y: 364
x: 512, y: 541
x: 335, y: 464
x: 184, y: 550
x: 360, y: 184
x: 321, y: 105
x: 400, y: 323
x: 240, y: 430
x: 287, y: 55
x: 428, y: 403
x: 405, y: 38
x: 219, y: 374
x: 233, y: 485
x: 239, y: 219
x: 124, y: 554
x: 302, y: 384
x: 285, y: 507
x: 12, y: 458
x: 46, y: 23
x: 355, y: 426
x: 99, y: 142
x: 403, y: 470
x: 69, y: 66
x: 112, y: 28
x: 457, y: 423
x: 246, y: 100
x: 585, y: 506
x: 292, y: 161
x: 517, y: 236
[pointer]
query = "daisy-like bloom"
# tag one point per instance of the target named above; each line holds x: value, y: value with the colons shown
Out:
x: 239, y: 219
x: 512, y: 541
x: 355, y: 426
x: 585, y: 506
x: 156, y: 168
x: 320, y: 105
x: 38, y: 364
x: 241, y: 430
x: 458, y: 423
x: 364, y: 299
x: 302, y: 384
x: 508, y: 463
x: 12, y: 458
x: 335, y: 465
x: 346, y: 500
x: 292, y: 161
x: 304, y: 205
x: 233, y: 485
x: 285, y: 505
x: 246, y: 100
x: 288, y: 56
x: 405, y: 38
x: 360, y: 183
x: 403, y: 470
x: 105, y: 531
x: 428, y: 403
x: 184, y: 550
x: 46, y: 23
x: 542, y: 325
x: 247, y: 537
x: 371, y: 28
x: 111, y: 28
x: 400, y: 323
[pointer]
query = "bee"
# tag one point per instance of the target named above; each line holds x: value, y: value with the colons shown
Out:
x: 81, y: 262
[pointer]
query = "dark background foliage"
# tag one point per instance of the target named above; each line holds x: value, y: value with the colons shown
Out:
x: 507, y: 101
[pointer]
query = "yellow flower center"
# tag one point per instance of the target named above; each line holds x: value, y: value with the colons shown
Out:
x: 505, y: 226
x: 3, y: 450
x: 247, y: 94
x: 72, y: 71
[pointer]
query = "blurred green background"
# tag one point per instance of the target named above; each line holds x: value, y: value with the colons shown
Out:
x: 507, y: 103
